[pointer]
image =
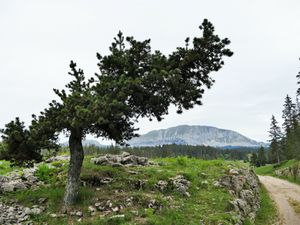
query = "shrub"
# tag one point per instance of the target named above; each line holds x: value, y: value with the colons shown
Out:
x: 46, y: 173
x: 182, y: 160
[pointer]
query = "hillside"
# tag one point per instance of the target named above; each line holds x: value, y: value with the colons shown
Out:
x: 195, y: 135
x: 136, y: 191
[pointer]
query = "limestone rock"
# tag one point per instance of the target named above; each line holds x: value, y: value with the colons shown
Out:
x: 124, y: 159
x: 243, y: 185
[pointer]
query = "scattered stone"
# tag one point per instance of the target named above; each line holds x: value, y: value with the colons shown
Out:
x: 132, y: 172
x: 104, y: 206
x: 35, y: 211
x: 217, y: 184
x: 204, y: 182
x: 233, y: 172
x: 19, y: 181
x: 16, y: 214
x: 153, y: 204
x: 129, y: 201
x: 180, y: 184
x: 116, y: 209
x: 58, y: 158
x: 79, y: 214
x: 117, y: 216
x: 161, y: 185
x: 92, y: 210
x: 138, y: 184
x: 42, y: 200
x: 124, y: 159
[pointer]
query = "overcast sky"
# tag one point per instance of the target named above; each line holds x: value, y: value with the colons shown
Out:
x: 39, y: 38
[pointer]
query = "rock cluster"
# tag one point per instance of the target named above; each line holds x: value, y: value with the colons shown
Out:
x: 19, y: 181
x: 58, y: 158
x: 124, y: 159
x: 105, y: 206
x: 291, y: 171
x: 177, y: 183
x: 153, y: 204
x: 16, y: 214
x: 180, y: 184
x: 243, y: 185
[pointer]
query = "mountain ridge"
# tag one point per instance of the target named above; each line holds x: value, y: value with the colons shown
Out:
x: 195, y: 135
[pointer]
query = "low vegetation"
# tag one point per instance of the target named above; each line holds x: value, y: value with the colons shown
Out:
x: 288, y: 170
x: 134, y: 188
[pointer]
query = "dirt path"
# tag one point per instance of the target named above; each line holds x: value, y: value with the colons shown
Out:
x: 283, y: 193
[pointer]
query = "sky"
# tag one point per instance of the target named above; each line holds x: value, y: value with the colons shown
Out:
x: 39, y: 38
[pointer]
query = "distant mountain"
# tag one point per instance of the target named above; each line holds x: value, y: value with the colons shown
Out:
x: 87, y: 142
x: 195, y: 135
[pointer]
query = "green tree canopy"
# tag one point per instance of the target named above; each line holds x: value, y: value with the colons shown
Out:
x: 22, y: 146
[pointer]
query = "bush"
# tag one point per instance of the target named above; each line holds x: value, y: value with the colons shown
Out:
x: 182, y: 160
x: 3, y: 150
x: 46, y: 173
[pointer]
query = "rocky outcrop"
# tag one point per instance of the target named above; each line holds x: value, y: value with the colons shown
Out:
x: 291, y: 171
x: 58, y: 158
x: 124, y: 159
x: 17, y: 214
x: 243, y: 185
x: 19, y: 180
x: 177, y: 183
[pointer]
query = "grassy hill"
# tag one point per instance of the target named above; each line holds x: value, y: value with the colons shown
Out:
x: 131, y: 196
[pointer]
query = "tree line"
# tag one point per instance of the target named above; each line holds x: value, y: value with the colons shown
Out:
x: 173, y: 150
x: 285, y: 138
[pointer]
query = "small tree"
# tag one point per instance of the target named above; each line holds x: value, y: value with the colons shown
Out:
x: 289, y: 125
x: 133, y: 82
x: 22, y: 147
x: 276, y: 136
x: 261, y: 156
x: 254, y: 160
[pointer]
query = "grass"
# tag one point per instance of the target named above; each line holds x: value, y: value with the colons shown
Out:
x: 270, y: 170
x: 5, y: 167
x: 267, y: 213
x: 207, y: 204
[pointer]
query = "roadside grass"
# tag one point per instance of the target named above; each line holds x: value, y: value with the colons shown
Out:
x: 207, y: 204
x: 265, y: 170
x: 267, y: 213
x: 270, y: 170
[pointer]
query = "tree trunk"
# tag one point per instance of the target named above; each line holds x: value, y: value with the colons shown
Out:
x: 278, y: 158
x: 77, y: 155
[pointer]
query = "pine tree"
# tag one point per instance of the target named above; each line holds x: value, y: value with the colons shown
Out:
x: 22, y: 147
x: 254, y: 159
x: 133, y: 82
x: 289, y: 125
x: 261, y: 156
x: 288, y: 114
x: 276, y: 136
